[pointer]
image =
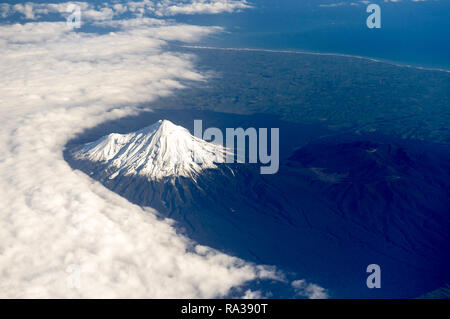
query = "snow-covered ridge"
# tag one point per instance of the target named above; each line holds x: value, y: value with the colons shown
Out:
x: 157, y: 151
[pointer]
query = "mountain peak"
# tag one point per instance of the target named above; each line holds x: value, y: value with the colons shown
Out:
x: 160, y: 150
x: 165, y: 125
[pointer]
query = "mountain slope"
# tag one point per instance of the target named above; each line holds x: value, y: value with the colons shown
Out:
x: 401, y: 194
x: 332, y: 209
x: 165, y: 167
x: 157, y: 151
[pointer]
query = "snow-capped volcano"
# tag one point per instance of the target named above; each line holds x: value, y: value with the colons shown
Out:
x: 358, y: 199
x: 157, y: 151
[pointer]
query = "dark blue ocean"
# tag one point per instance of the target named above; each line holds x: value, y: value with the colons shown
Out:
x: 414, y: 33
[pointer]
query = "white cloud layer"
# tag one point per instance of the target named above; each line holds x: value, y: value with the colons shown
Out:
x: 58, y: 226
x: 105, y: 11
x: 170, y: 8
x: 55, y: 83
x: 309, y: 290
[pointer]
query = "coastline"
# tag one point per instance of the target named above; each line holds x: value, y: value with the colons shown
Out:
x: 321, y: 54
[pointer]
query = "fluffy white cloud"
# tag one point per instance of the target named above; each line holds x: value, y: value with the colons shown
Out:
x: 55, y: 83
x: 169, y: 8
x: 33, y: 11
x: 309, y: 290
x: 105, y: 11
x: 61, y: 233
x: 250, y: 294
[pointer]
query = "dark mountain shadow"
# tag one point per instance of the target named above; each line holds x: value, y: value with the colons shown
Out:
x: 337, y: 205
